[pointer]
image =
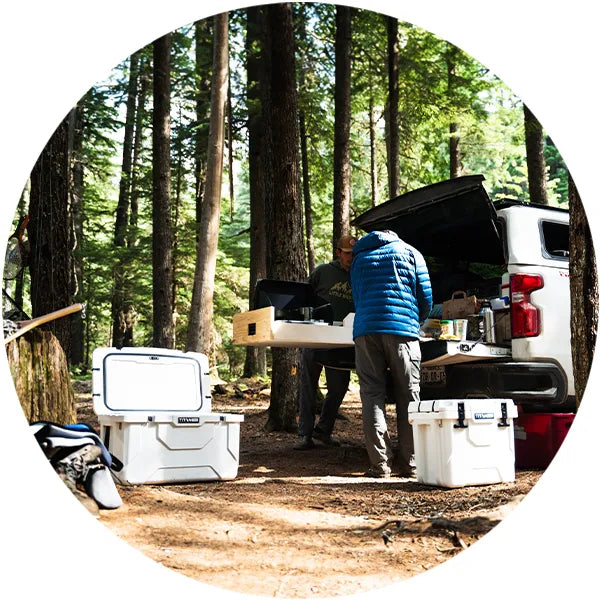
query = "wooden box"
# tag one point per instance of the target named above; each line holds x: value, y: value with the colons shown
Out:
x: 260, y: 328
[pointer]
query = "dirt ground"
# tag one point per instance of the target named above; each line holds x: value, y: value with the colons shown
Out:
x: 302, y: 524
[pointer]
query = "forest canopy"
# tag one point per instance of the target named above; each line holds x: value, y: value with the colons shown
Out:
x: 450, y: 116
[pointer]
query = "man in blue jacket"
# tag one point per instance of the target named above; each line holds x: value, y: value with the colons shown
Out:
x: 392, y: 297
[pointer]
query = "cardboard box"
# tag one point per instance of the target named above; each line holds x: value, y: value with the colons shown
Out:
x: 538, y: 436
x: 154, y: 410
x: 463, y: 442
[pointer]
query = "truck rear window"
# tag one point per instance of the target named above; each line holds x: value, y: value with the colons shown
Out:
x: 555, y: 239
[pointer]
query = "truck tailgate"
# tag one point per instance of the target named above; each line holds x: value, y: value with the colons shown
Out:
x: 447, y: 352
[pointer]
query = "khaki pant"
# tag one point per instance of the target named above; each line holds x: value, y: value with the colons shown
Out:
x: 375, y: 354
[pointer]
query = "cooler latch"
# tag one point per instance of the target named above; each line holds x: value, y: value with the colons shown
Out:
x: 504, y: 415
x: 461, y: 417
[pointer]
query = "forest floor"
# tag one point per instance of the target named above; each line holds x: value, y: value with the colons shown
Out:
x: 299, y: 524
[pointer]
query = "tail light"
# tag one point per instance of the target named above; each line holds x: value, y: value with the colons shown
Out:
x: 524, y: 316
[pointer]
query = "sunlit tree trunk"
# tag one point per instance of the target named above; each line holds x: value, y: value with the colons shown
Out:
x: 200, y: 336
x: 341, y: 143
x: 308, y: 221
x: 372, y: 146
x: 121, y: 325
x: 536, y: 163
x: 454, y: 141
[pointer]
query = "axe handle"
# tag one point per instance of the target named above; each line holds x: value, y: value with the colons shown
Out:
x: 25, y: 326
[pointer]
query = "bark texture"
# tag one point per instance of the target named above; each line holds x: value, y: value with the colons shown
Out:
x: 49, y: 233
x: 256, y: 358
x: 584, y: 292
x: 536, y: 163
x: 162, y: 258
x: 454, y: 143
x: 41, y: 377
x: 200, y: 327
x: 286, y: 257
x: 122, y: 311
x: 341, y: 142
x: 393, y: 98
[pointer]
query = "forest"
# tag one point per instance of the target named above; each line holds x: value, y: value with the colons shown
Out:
x: 237, y: 148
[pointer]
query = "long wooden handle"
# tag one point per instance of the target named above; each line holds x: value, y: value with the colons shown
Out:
x: 25, y: 326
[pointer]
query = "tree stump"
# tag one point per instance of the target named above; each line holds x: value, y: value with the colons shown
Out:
x: 41, y: 376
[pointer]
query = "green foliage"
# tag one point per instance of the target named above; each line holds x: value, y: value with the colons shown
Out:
x: 439, y: 85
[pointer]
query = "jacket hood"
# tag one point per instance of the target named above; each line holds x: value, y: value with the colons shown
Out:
x: 373, y: 240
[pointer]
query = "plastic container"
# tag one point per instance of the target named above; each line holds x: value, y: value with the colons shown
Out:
x: 154, y: 410
x: 461, y: 328
x: 446, y: 329
x: 538, y: 437
x: 463, y: 442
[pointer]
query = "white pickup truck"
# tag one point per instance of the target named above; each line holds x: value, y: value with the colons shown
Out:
x: 508, y: 250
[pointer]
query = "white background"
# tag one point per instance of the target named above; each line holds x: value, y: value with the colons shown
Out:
x: 51, y: 52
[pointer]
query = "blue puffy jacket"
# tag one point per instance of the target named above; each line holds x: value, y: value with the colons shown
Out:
x: 390, y: 286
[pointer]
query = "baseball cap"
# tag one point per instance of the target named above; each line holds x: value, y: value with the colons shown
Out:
x: 346, y: 243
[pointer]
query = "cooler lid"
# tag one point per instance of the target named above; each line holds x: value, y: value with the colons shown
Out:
x: 149, y: 380
x: 478, y: 409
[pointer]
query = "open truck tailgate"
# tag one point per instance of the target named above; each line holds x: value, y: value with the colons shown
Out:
x: 448, y: 352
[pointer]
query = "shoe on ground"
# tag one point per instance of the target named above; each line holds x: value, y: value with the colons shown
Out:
x: 328, y: 440
x: 378, y: 473
x: 409, y: 472
x: 306, y: 443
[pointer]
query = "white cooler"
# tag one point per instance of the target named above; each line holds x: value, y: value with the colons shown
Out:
x: 154, y: 409
x: 463, y: 442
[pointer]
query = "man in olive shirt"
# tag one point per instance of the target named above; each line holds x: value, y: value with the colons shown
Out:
x: 330, y: 281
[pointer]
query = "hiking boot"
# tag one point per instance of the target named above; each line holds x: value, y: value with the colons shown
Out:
x: 328, y: 440
x: 409, y: 472
x: 306, y: 443
x: 378, y: 473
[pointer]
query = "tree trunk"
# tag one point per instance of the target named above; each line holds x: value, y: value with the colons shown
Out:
x: 341, y: 143
x: 77, y: 356
x: 41, y: 376
x: 284, y: 216
x: 179, y: 175
x: 200, y: 325
x: 230, y: 145
x: 454, y: 142
x: 120, y: 314
x: 49, y: 234
x: 393, y: 99
x: 310, y: 246
x: 203, y: 73
x: 372, y: 147
x: 584, y: 292
x: 256, y: 358
x: 140, y: 115
x: 162, y: 259
x: 536, y: 163
x: 18, y: 291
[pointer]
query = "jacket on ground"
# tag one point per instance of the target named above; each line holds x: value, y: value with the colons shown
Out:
x: 390, y: 286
